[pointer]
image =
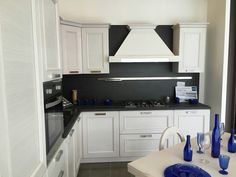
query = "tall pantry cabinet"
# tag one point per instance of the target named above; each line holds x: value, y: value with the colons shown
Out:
x: 29, y: 55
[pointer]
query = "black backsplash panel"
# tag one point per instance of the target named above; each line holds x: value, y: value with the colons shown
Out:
x: 89, y: 87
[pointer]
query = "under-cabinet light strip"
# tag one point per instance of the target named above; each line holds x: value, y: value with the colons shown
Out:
x: 114, y: 79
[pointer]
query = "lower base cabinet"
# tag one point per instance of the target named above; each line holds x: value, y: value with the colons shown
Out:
x: 100, y: 134
x: 192, y: 121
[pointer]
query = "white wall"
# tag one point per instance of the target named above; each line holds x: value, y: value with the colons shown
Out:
x: 217, y: 56
x: 134, y: 11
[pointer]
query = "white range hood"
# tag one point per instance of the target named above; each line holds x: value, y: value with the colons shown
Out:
x: 143, y: 44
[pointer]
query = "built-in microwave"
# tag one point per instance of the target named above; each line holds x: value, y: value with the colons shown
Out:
x: 53, y: 109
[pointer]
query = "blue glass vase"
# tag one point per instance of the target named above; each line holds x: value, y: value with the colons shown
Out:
x: 231, y: 143
x: 188, y: 152
x: 215, y: 146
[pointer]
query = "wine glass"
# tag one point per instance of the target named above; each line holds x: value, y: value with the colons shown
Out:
x: 206, y: 145
x: 224, y: 163
x: 222, y: 131
x: 200, y: 139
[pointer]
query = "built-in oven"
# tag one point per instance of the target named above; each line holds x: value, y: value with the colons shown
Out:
x: 53, y: 108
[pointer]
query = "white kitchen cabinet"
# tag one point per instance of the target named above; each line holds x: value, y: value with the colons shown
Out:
x: 74, y: 149
x: 137, y: 145
x: 58, y: 165
x: 95, y: 49
x: 71, y: 49
x: 50, y: 34
x: 190, y: 45
x: 192, y: 121
x: 100, y: 134
x: 145, y: 121
x: 22, y: 149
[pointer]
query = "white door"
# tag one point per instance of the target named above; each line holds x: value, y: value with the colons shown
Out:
x: 22, y: 149
x: 100, y: 134
x: 71, y: 49
x: 192, y: 49
x: 95, y: 50
x: 192, y: 121
x: 52, y: 59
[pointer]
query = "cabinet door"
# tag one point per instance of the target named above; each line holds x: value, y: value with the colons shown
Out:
x: 78, y: 144
x: 95, y: 50
x: 192, y: 121
x: 145, y: 121
x: 100, y: 134
x: 192, y: 49
x: 137, y: 145
x: 71, y: 153
x: 57, y: 166
x: 52, y: 59
x: 71, y: 49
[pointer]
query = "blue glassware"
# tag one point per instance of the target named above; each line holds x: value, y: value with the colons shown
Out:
x: 215, y: 146
x: 200, y: 141
x: 231, y: 143
x: 224, y: 163
x: 188, y: 152
x: 186, y: 170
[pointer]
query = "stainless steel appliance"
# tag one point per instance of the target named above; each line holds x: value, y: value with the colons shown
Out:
x: 53, y: 108
x: 143, y: 104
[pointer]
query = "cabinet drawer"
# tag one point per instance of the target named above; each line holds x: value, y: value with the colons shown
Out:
x: 57, y: 167
x: 138, y: 145
x: 145, y: 121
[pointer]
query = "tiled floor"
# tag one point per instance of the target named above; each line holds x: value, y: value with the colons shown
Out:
x: 115, y: 169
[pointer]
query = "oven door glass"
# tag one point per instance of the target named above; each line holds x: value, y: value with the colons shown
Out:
x: 54, y: 128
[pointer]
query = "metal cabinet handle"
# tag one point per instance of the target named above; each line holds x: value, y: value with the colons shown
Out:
x: 73, y: 72
x: 145, y: 136
x: 58, y: 157
x: 191, y: 112
x: 145, y: 112
x: 61, y: 174
x: 95, y: 71
x: 100, y: 114
x: 72, y: 132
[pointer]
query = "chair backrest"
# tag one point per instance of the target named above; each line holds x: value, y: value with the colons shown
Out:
x: 168, y: 132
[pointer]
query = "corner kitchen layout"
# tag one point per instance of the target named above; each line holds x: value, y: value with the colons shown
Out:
x: 117, y: 88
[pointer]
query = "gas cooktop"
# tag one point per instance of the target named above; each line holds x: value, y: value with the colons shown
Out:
x: 143, y: 104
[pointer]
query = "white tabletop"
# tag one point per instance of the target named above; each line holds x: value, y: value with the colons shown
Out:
x: 154, y: 164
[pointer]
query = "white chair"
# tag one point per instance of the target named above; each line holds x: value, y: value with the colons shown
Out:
x: 168, y: 132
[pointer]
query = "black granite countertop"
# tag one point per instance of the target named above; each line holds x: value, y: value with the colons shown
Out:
x: 71, y: 114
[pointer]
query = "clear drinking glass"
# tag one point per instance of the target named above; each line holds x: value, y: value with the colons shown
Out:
x: 222, y: 131
x: 200, y: 139
x: 204, y: 143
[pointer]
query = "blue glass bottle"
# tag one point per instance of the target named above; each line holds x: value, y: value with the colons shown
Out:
x: 215, y: 146
x: 231, y: 143
x: 188, y: 152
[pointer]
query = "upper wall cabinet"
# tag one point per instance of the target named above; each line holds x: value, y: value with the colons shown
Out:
x: 190, y: 45
x: 85, y: 48
x: 71, y: 49
x: 52, y: 60
x: 95, y: 50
